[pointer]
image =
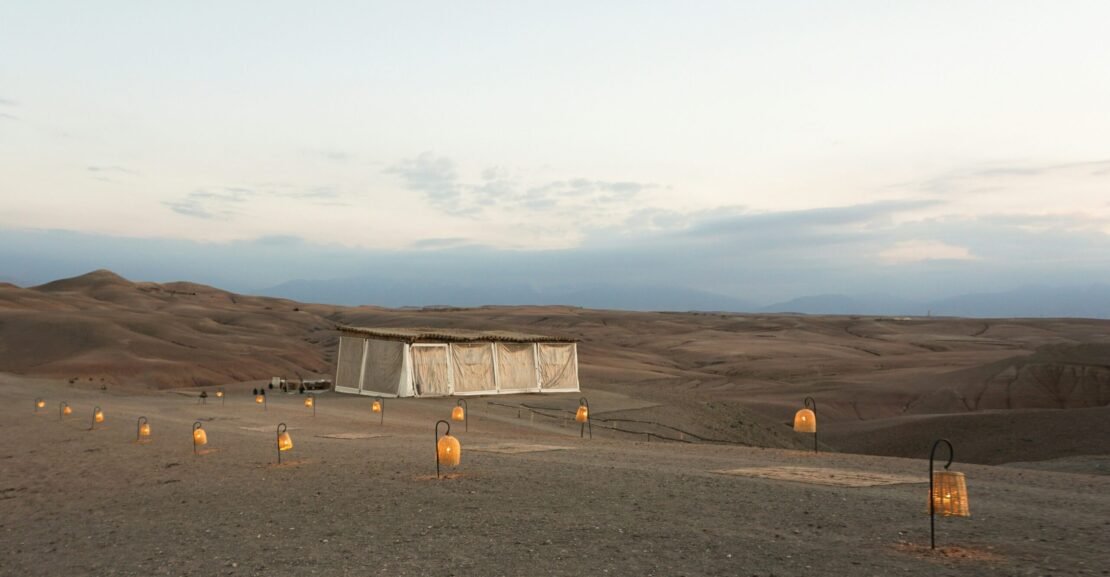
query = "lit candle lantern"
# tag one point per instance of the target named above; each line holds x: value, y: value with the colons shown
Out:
x: 376, y: 407
x: 39, y: 404
x: 805, y: 420
x: 947, y: 492
x: 583, y: 416
x: 199, y: 436
x: 448, y: 448
x: 459, y: 414
x: 284, y: 441
x: 143, y: 430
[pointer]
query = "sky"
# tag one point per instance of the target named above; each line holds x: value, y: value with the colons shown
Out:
x: 760, y: 150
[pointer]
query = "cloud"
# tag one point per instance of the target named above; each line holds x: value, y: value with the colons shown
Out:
x: 111, y: 169
x: 7, y: 116
x: 910, y: 251
x: 226, y: 202
x: 437, y: 179
x: 439, y: 243
x: 8, y: 102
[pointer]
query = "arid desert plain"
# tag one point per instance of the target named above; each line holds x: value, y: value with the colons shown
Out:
x: 693, y: 468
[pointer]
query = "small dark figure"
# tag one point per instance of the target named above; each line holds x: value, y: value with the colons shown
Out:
x: 254, y: 392
x: 271, y: 386
x: 262, y: 392
x: 204, y: 397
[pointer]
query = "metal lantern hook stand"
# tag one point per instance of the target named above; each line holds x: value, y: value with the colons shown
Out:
x: 222, y: 396
x: 196, y: 425
x: 589, y: 419
x: 92, y: 424
x: 203, y: 398
x: 932, y: 504
x: 139, y: 429
x: 812, y: 405
x: 466, y: 414
x: 447, y: 432
x: 281, y: 428
x: 62, y: 410
x: 381, y: 405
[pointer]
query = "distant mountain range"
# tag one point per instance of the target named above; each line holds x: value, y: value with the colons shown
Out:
x: 1027, y: 301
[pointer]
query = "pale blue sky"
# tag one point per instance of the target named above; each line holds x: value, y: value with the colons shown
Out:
x: 528, y: 126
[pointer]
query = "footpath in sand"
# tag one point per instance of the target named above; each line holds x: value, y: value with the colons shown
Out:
x: 355, y: 497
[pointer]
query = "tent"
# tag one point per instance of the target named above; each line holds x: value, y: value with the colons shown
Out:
x: 392, y: 362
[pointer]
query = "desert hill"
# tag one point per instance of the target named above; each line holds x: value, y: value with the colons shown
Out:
x: 714, y: 376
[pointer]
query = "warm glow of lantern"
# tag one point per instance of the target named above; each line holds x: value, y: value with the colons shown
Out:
x: 144, y: 430
x: 259, y: 399
x: 805, y: 421
x: 40, y: 403
x: 458, y: 414
x: 376, y: 407
x: 200, y: 437
x: 67, y: 410
x: 449, y: 451
x: 285, y: 442
x: 219, y: 394
x: 309, y: 402
x: 582, y: 415
x: 99, y: 416
x: 950, y: 494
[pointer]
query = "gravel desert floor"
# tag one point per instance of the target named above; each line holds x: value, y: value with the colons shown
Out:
x: 75, y: 501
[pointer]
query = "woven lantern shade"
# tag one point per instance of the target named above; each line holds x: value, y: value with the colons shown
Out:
x: 950, y: 494
x: 67, y: 410
x: 285, y: 442
x: 39, y: 403
x: 98, y: 416
x: 219, y: 394
x: 582, y: 415
x: 309, y: 402
x: 458, y: 414
x: 805, y: 421
x: 144, y: 430
x: 199, y: 437
x: 259, y: 399
x: 376, y: 407
x: 449, y: 451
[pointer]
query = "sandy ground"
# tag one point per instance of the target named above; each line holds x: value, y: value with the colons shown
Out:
x: 81, y: 502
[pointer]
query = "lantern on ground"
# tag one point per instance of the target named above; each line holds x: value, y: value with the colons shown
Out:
x: 97, y: 417
x: 200, y: 438
x: 805, y: 420
x: 39, y: 404
x: 310, y: 402
x: 583, y: 416
x: 142, y: 430
x: 379, y: 407
x: 448, y: 449
x: 64, y: 410
x: 947, y: 492
x: 284, y: 441
x: 459, y: 414
x: 260, y: 399
x: 220, y: 396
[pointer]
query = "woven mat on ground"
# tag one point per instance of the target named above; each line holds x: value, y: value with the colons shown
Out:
x: 818, y: 476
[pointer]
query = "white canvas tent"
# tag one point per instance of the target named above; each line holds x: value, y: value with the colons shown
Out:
x: 393, y: 362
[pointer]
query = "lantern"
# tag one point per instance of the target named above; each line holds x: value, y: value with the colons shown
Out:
x: 39, y: 404
x: 310, y: 402
x: 459, y: 414
x: 220, y: 396
x: 805, y: 420
x: 260, y: 399
x: 583, y: 416
x: 142, y: 431
x: 947, y: 492
x: 284, y: 441
x: 64, y: 410
x: 379, y: 407
x: 98, y: 417
x: 448, y: 449
x: 199, y: 436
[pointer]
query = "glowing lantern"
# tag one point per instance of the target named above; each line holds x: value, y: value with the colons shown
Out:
x: 98, y: 417
x: 143, y: 430
x: 260, y: 399
x: 310, y: 402
x: 379, y: 407
x: 805, y: 420
x: 459, y: 414
x: 947, y: 492
x: 220, y: 396
x: 39, y: 404
x: 284, y: 441
x: 64, y: 410
x: 199, y: 436
x: 448, y: 449
x: 583, y: 416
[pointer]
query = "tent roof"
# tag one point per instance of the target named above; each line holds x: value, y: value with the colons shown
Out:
x: 450, y: 335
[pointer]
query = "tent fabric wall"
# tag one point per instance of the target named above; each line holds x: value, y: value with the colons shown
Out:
x: 430, y: 371
x: 516, y: 367
x: 384, y: 364
x: 472, y: 364
x: 348, y: 373
x: 558, y: 366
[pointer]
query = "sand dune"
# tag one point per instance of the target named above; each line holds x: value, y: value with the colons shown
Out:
x: 716, y: 377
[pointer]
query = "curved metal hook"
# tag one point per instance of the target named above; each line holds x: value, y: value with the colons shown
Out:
x: 462, y: 403
x: 932, y: 454
x: 466, y: 413
x: 139, y: 428
x: 811, y: 404
x: 61, y: 409
x: 281, y: 428
x: 197, y: 425
x: 583, y: 401
x: 447, y: 432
